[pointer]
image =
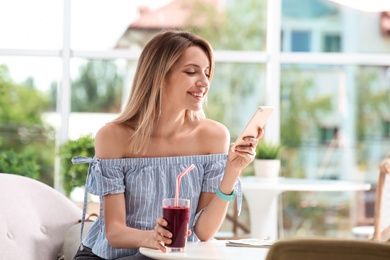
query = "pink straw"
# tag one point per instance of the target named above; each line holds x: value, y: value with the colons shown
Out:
x: 178, y: 179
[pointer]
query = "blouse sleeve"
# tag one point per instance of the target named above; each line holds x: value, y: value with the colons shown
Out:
x: 103, y: 180
x: 213, y: 175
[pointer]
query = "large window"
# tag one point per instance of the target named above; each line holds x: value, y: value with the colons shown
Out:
x: 333, y: 108
x: 327, y: 77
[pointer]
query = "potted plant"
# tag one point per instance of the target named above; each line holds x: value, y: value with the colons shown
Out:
x: 74, y: 175
x: 267, y: 160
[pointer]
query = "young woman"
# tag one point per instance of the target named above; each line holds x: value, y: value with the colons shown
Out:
x: 161, y: 132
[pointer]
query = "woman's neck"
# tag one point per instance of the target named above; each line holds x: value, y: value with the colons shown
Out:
x: 170, y: 124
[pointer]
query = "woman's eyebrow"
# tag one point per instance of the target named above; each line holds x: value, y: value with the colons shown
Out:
x: 194, y: 65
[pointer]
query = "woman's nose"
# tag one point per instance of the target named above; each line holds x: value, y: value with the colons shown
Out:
x: 202, y: 83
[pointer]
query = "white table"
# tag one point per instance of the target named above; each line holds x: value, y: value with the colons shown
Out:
x: 262, y: 194
x: 211, y: 250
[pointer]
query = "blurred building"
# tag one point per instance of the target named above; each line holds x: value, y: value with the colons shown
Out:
x: 177, y: 14
x: 321, y: 26
x: 317, y: 26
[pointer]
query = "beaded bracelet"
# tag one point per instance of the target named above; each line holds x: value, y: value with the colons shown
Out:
x: 225, y: 197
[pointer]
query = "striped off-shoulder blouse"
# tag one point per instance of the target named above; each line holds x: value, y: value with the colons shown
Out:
x: 145, y: 182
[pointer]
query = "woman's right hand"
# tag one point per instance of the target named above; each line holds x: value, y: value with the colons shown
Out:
x: 161, y: 235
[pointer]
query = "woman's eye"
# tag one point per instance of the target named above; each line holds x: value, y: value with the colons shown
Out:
x: 190, y: 72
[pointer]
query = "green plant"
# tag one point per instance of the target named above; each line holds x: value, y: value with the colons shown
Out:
x: 21, y: 163
x: 268, y: 151
x: 27, y: 143
x: 74, y: 175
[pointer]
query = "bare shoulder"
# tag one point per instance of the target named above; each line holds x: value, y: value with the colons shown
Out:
x: 111, y: 140
x: 214, y: 136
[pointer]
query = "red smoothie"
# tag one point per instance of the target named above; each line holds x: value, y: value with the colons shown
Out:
x: 177, y: 218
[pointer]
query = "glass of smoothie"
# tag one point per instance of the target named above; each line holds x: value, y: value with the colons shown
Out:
x: 177, y: 213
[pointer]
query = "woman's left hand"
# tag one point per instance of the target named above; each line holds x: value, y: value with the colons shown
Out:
x: 243, y: 155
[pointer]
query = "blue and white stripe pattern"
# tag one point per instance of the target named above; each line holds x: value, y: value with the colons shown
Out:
x: 145, y: 182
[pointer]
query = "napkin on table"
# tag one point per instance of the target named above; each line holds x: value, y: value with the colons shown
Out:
x: 250, y: 242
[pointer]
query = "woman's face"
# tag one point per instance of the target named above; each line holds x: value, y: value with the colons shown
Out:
x: 187, y: 83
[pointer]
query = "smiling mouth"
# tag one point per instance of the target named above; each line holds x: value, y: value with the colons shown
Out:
x: 197, y: 95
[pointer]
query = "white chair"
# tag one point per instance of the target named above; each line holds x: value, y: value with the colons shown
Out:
x: 381, y: 229
x: 34, y: 219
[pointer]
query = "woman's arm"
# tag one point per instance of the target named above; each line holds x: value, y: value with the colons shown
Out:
x: 121, y: 236
x: 215, y: 208
x: 117, y: 233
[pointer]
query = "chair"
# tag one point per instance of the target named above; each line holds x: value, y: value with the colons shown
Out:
x: 382, y: 205
x: 320, y: 248
x: 328, y: 249
x: 381, y: 229
x: 34, y: 219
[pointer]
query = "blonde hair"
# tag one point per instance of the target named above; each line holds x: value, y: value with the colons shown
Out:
x: 143, y: 106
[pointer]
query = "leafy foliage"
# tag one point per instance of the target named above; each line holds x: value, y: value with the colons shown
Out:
x: 268, y: 151
x: 24, y: 163
x: 302, y: 108
x: 24, y: 138
x: 373, y: 103
x: 20, y: 104
x: 74, y: 175
x: 98, y: 88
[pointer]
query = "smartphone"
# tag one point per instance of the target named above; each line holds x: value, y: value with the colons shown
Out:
x: 258, y: 119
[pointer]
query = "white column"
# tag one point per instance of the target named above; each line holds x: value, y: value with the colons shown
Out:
x: 63, y: 95
x: 273, y: 68
x: 347, y: 112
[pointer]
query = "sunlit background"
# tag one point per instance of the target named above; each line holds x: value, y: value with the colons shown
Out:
x: 66, y: 69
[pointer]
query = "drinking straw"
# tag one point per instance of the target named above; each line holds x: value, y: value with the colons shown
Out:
x: 178, y: 179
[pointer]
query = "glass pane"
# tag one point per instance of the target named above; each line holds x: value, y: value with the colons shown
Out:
x: 351, y: 30
x: 228, y: 25
x: 90, y: 29
x: 334, y: 125
x: 31, y: 24
x: 97, y: 90
x: 27, y: 101
x: 42, y: 72
x: 328, y: 214
x: 342, y: 109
